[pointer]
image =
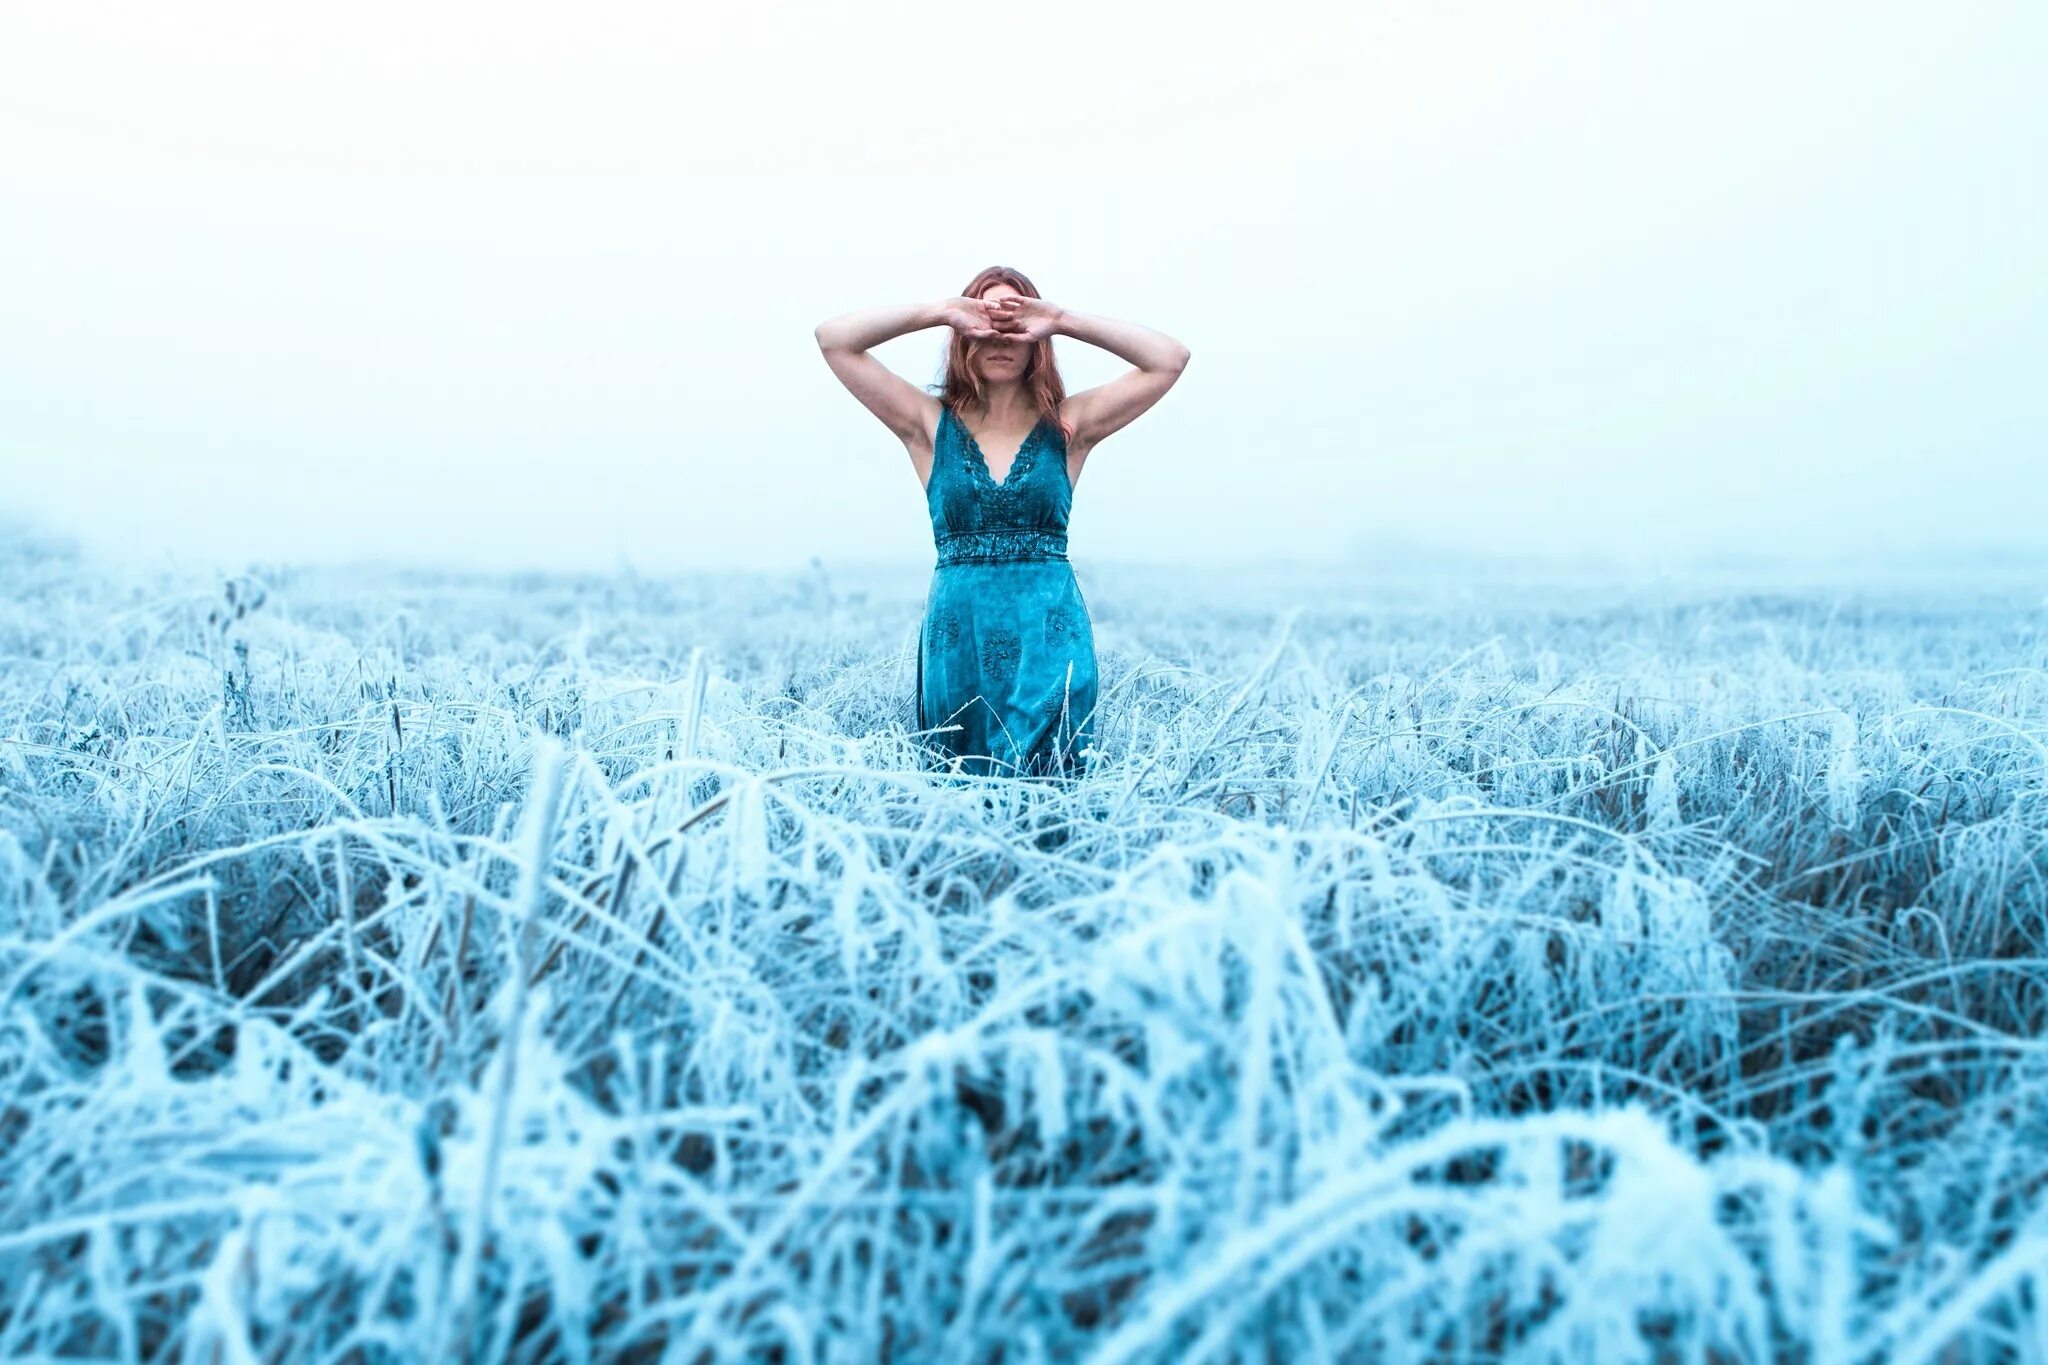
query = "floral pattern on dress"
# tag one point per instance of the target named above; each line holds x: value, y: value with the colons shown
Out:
x: 1062, y: 622
x: 946, y: 628
x: 999, y: 653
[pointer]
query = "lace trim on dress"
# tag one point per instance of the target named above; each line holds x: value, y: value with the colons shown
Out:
x: 977, y: 463
x: 1006, y: 543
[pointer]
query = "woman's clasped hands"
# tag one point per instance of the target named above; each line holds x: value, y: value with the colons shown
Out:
x: 1007, y: 317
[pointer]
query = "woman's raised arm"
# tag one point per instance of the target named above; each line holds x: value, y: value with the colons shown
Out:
x: 1106, y: 408
x: 846, y: 340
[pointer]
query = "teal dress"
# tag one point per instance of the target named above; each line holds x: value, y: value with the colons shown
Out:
x: 1006, y: 652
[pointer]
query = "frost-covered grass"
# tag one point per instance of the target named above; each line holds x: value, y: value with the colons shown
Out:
x: 434, y: 968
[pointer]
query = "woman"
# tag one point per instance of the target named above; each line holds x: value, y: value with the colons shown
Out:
x: 1006, y: 674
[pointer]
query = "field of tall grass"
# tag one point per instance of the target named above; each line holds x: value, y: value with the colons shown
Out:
x: 418, y: 966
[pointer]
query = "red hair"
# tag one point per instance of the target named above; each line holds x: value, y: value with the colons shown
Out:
x: 1041, y: 371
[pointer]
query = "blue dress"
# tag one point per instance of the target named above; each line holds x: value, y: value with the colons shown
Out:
x: 1006, y: 652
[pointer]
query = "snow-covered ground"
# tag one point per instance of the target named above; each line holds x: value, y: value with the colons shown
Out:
x: 426, y: 967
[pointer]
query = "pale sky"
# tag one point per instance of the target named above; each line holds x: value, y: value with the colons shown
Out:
x: 529, y: 286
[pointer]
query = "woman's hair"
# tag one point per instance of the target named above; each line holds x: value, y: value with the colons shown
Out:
x: 963, y: 387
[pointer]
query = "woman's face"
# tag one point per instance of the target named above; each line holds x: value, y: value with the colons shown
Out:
x: 1000, y: 361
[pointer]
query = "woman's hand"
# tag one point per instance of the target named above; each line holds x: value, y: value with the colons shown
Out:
x: 1026, y: 319
x: 974, y: 319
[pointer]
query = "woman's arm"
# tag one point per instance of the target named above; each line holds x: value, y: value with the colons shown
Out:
x: 870, y: 327
x: 899, y: 403
x: 1142, y: 346
x: 1097, y: 412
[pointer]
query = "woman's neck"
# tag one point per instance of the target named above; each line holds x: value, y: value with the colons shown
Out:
x: 1008, y: 405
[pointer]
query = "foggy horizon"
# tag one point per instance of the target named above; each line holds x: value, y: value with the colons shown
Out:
x: 1611, y: 287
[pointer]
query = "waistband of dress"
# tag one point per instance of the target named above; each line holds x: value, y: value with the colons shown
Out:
x: 1000, y: 546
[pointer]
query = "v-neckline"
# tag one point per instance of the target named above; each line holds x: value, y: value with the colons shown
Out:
x: 981, y: 458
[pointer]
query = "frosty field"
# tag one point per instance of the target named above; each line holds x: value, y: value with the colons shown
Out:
x: 405, y: 967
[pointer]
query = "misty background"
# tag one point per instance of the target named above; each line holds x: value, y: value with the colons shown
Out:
x: 501, y: 288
